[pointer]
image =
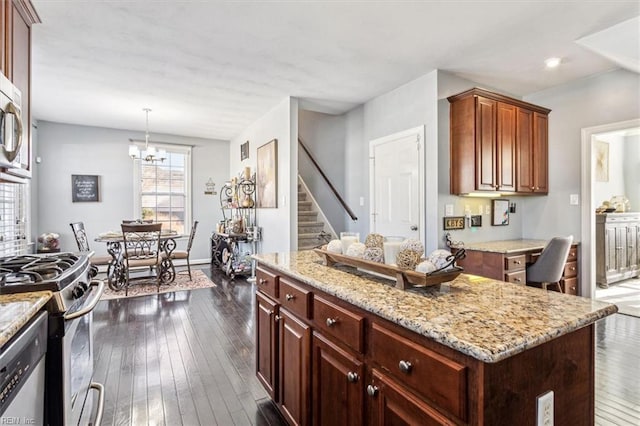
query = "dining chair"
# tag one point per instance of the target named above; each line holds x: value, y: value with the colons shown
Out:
x: 139, y: 221
x: 83, y: 246
x: 184, y: 254
x: 141, y: 249
x: 548, y: 269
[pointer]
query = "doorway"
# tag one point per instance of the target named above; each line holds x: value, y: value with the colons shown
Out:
x: 396, y: 188
x: 592, y: 163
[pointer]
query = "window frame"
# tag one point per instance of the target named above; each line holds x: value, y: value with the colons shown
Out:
x: 137, y: 179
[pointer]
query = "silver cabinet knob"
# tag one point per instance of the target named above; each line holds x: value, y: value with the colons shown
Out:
x: 262, y: 281
x: 352, y: 377
x: 372, y: 390
x: 277, y: 318
x: 405, y: 366
x: 290, y: 297
x: 331, y: 321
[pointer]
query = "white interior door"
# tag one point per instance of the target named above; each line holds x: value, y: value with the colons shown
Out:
x: 397, y: 184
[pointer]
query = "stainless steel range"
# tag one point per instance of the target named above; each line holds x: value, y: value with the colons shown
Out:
x: 69, y: 361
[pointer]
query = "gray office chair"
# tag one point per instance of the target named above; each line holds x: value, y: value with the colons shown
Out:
x: 549, y: 267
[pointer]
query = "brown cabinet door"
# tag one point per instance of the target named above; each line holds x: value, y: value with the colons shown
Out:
x: 506, y: 147
x: 266, y: 344
x: 540, y: 153
x: 524, y: 142
x: 294, y: 371
x: 486, y: 144
x: 392, y: 404
x: 338, y: 389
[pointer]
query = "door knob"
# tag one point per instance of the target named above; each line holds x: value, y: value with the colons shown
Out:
x: 414, y: 227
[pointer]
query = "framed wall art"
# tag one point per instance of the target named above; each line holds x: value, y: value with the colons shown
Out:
x: 85, y: 188
x: 601, y: 150
x: 267, y: 175
x: 244, y: 151
x: 500, y: 212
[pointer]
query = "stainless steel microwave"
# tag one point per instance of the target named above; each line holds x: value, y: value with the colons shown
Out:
x: 11, y: 129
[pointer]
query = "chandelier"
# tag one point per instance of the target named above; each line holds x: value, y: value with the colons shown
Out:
x: 149, y: 154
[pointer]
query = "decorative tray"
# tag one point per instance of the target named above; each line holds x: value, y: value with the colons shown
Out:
x: 404, y: 278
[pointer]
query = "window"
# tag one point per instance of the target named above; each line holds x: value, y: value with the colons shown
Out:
x: 162, y: 189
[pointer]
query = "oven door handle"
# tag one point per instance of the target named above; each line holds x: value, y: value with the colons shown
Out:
x: 100, y: 410
x: 92, y: 303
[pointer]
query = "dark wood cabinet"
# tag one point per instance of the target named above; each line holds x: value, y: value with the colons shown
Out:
x: 338, y: 385
x: 497, y: 144
x: 17, y: 18
x: 392, y: 404
x: 295, y: 368
x: 267, y: 344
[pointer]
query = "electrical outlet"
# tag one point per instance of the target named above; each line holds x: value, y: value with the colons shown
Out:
x: 544, y: 411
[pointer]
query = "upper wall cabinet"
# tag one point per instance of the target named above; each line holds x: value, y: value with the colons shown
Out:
x: 498, y: 144
x: 16, y: 19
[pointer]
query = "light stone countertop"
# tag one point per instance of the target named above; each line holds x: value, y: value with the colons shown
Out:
x: 486, y: 319
x: 17, y: 309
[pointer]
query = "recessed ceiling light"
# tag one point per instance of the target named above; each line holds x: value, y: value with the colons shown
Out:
x: 552, y: 62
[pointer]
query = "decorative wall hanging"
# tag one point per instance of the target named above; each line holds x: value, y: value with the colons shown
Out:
x: 244, y: 151
x: 453, y: 222
x: 267, y: 175
x: 85, y: 188
x: 601, y: 150
x: 500, y: 212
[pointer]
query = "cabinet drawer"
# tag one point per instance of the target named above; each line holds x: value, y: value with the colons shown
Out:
x: 571, y: 269
x: 573, y: 254
x: 515, y: 263
x: 432, y: 375
x: 295, y: 298
x: 267, y: 282
x: 518, y: 277
x: 570, y: 286
x: 339, y: 323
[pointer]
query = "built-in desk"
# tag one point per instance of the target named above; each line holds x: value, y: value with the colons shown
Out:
x: 507, y: 261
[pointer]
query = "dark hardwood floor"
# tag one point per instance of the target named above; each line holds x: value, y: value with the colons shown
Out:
x: 187, y: 358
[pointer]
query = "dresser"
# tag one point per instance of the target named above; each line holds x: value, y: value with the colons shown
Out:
x: 617, y: 236
x: 507, y: 260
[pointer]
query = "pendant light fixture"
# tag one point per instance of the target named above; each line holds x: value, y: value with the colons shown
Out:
x: 149, y: 154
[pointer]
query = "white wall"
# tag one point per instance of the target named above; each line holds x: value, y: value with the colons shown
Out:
x: 279, y: 232
x: 606, y: 98
x: 410, y: 105
x: 632, y: 171
x: 70, y: 149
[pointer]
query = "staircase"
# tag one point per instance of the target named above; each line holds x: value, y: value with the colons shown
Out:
x: 312, y: 233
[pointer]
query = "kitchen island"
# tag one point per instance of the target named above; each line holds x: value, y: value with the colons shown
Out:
x: 471, y: 351
x: 17, y: 309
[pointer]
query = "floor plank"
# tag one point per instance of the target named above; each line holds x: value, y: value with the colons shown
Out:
x: 187, y: 358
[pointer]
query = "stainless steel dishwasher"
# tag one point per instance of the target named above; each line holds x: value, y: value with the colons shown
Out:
x: 22, y: 375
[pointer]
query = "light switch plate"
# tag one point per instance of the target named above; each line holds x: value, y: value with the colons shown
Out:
x: 574, y: 199
x: 448, y: 209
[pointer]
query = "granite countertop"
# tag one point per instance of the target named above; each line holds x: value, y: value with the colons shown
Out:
x: 486, y: 319
x: 507, y: 246
x: 17, y: 309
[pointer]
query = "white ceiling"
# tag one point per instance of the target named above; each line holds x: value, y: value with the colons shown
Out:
x: 209, y: 69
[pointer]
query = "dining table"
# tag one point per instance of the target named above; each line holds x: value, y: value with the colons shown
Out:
x: 117, y: 268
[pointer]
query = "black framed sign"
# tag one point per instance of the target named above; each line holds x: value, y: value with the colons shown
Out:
x: 85, y: 188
